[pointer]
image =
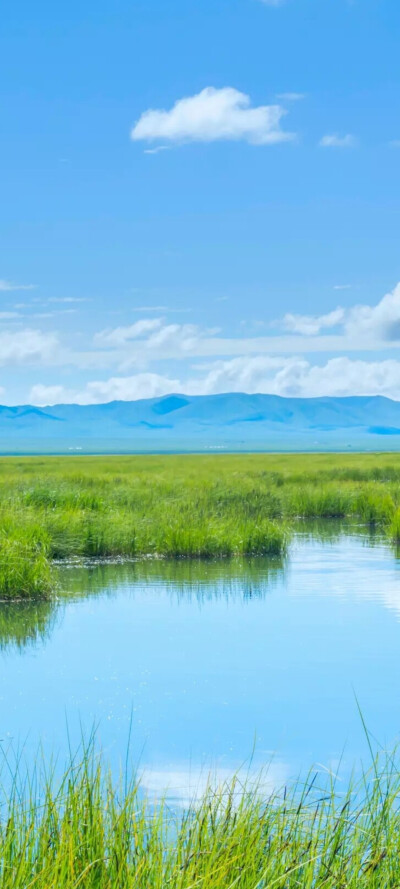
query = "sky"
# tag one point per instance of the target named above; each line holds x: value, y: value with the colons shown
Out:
x: 199, y: 196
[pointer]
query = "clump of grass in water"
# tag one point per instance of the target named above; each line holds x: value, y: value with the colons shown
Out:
x: 219, y: 539
x: 86, y: 831
x: 25, y: 570
x: 394, y: 528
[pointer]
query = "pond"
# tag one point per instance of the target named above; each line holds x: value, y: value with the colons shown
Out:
x: 212, y: 665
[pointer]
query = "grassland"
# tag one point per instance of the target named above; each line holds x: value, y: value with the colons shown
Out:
x: 178, y: 506
x: 85, y: 831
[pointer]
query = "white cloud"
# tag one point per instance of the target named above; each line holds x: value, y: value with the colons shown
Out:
x: 46, y: 395
x: 381, y: 321
x: 156, y: 150
x: 297, y: 377
x: 173, y: 341
x: 313, y: 324
x: 211, y: 115
x: 291, y: 97
x: 287, y: 376
x: 335, y: 141
x: 157, y: 309
x: 9, y: 316
x: 127, y: 354
x: 121, y: 335
x: 344, y: 329
x: 342, y: 286
x: 54, y: 314
x: 150, y: 338
x: 25, y: 347
x: 68, y: 299
x: 359, y: 327
x: 143, y: 385
x: 181, y: 337
x: 6, y: 286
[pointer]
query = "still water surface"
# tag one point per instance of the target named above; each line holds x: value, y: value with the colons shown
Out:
x: 212, y: 663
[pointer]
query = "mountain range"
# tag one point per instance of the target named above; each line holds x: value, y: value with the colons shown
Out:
x: 232, y: 421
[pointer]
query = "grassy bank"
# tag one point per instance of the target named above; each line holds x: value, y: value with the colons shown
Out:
x: 84, y: 831
x: 178, y: 506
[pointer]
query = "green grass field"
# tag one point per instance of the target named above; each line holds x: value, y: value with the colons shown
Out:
x: 85, y: 831
x: 178, y: 506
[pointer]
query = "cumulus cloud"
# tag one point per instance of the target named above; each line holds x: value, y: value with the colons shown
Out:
x: 297, y: 377
x: 273, y: 363
x: 25, y: 347
x: 335, y: 141
x: 212, y: 115
x: 143, y: 385
x: 150, y: 338
x: 380, y: 322
x: 6, y: 286
x: 287, y: 376
x: 355, y: 328
x: 47, y: 395
x: 308, y: 325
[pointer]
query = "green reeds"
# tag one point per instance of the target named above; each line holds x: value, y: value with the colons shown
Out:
x: 178, y: 507
x: 394, y: 528
x: 25, y: 570
x: 86, y: 831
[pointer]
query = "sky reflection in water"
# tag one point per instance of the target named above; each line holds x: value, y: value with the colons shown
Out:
x: 217, y: 664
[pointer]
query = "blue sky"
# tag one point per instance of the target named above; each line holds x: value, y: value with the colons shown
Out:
x: 246, y: 238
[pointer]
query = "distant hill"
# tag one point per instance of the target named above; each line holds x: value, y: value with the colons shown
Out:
x: 232, y: 421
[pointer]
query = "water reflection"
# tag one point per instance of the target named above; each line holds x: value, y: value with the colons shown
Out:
x: 26, y: 624
x: 185, y: 784
x: 331, y: 531
x: 32, y: 623
x: 199, y: 580
x: 242, y: 579
x: 213, y: 660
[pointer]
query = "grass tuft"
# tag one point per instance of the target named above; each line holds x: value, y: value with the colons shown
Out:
x: 86, y: 831
x: 25, y: 570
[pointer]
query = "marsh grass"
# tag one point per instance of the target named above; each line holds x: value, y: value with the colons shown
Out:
x: 178, y: 507
x: 86, y: 830
x: 25, y: 570
x: 394, y: 527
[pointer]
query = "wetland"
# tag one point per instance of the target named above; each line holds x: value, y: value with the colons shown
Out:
x: 215, y: 627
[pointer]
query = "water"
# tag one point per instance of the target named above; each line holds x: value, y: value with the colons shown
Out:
x: 212, y: 664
